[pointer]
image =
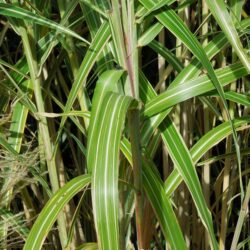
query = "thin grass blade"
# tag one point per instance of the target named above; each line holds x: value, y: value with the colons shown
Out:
x: 210, y: 139
x: 54, y: 206
x: 23, y: 14
x: 184, y: 164
x: 223, y: 18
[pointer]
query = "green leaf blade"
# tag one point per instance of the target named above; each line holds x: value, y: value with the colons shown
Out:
x: 51, y: 210
x: 223, y: 18
x: 107, y: 119
x: 17, y: 12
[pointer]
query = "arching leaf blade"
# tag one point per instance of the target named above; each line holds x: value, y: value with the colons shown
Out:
x: 223, y: 18
x: 53, y: 207
x: 192, y: 88
x: 184, y: 164
x: 162, y: 207
x: 21, y: 13
x: 103, y: 160
x: 205, y: 143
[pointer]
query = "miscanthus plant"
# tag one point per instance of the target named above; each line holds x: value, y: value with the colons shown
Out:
x: 124, y: 124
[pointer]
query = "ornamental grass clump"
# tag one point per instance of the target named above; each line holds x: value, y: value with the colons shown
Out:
x: 124, y: 124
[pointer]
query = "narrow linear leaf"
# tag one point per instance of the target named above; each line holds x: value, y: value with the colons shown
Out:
x: 175, y: 25
x: 243, y: 99
x: 72, y: 113
x: 150, y: 34
x: 157, y: 6
x: 162, y: 207
x: 17, y: 12
x: 210, y: 139
x: 89, y: 60
x: 223, y: 18
x: 192, y: 88
x: 184, y: 164
x: 222, y: 157
x: 161, y: 204
x: 48, y: 215
x: 95, y: 8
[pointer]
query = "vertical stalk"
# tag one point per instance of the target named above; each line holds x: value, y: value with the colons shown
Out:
x: 124, y: 33
x: 29, y: 49
x: 206, y: 119
x: 185, y: 109
x: 224, y: 212
x: 134, y: 115
x: 73, y: 59
x: 134, y: 124
x: 226, y: 178
x: 161, y: 69
x: 162, y: 87
x: 82, y: 99
x: 242, y: 215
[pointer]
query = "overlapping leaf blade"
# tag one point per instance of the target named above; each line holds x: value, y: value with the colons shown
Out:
x: 48, y: 216
x: 175, y: 25
x: 205, y: 143
x: 184, y: 164
x: 162, y: 207
x: 98, y: 43
x: 107, y: 119
x: 161, y: 204
x: 192, y: 88
x: 223, y: 18
x: 189, y: 72
x: 17, y: 12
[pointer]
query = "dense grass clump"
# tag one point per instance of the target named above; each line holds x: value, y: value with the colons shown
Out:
x: 124, y: 124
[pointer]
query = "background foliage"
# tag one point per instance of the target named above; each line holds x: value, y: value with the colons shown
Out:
x: 124, y: 124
